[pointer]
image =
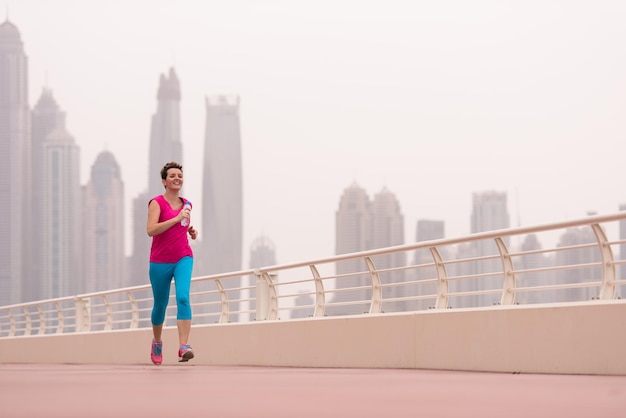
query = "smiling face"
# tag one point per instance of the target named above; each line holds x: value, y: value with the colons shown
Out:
x: 173, y: 179
x: 172, y: 175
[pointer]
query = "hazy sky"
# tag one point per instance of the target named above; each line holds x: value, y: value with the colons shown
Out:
x: 433, y: 100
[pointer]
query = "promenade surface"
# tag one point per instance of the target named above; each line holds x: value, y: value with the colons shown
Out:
x: 186, y: 390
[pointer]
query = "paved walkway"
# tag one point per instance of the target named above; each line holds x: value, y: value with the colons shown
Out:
x: 189, y: 391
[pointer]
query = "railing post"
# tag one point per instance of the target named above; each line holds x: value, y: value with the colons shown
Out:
x: 225, y: 311
x: 262, y: 296
x: 376, y: 303
x: 508, y: 282
x: 12, y: 324
x: 28, y: 320
x: 134, y: 320
x: 267, y: 301
x: 608, y: 289
x: 81, y: 307
x: 320, y: 295
x: 442, y: 279
x: 42, y: 320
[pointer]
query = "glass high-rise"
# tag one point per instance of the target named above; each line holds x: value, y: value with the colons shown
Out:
x: 388, y: 231
x: 262, y: 254
x: 46, y: 117
x: 489, y: 213
x: 165, y: 141
x: 353, y: 233
x: 104, y: 226
x: 427, y: 230
x: 165, y: 146
x: 221, y: 246
x: 62, y: 217
x: 222, y: 188
x: 363, y: 224
x: 15, y: 153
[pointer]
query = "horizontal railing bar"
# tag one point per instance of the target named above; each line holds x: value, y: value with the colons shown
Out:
x: 383, y: 284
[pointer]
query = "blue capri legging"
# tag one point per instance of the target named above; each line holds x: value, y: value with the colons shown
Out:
x: 161, y: 275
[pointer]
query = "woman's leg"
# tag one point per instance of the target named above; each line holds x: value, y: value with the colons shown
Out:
x: 182, y: 280
x: 161, y: 280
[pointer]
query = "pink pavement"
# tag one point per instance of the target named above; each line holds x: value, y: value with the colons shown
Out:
x: 187, y: 390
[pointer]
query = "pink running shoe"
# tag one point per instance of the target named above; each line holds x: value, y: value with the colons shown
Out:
x: 185, y: 353
x: 156, y: 354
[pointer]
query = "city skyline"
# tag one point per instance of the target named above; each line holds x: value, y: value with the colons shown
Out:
x: 537, y: 95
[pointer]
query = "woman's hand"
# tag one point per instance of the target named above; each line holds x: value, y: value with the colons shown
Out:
x: 192, y: 232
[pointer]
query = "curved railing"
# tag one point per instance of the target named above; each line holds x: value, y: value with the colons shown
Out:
x: 473, y: 271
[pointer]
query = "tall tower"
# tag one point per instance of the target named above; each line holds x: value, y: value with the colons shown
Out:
x: 262, y: 254
x: 15, y: 153
x: 489, y: 213
x: 46, y: 117
x: 222, y: 188
x: 222, y: 193
x: 577, y: 237
x: 387, y: 231
x: 427, y: 230
x: 353, y: 233
x: 533, y: 279
x: 165, y: 142
x: 104, y: 226
x: 165, y: 146
x: 62, y: 216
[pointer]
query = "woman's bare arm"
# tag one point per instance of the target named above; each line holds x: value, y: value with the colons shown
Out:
x: 154, y: 227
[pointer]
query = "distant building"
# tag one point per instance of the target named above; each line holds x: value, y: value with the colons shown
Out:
x: 262, y: 254
x: 221, y: 248
x: 104, y: 226
x: 353, y: 223
x: 46, y: 117
x: 489, y: 213
x: 15, y: 158
x: 362, y: 224
x: 165, y: 146
x: 388, y: 231
x: 222, y: 188
x: 426, y: 230
x: 62, y: 217
x: 305, y: 303
x: 533, y: 279
x: 165, y: 131
x: 581, y: 255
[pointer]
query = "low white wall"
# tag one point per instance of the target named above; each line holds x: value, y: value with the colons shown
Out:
x: 586, y: 338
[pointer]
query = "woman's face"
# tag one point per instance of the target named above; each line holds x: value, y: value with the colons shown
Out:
x: 173, y: 179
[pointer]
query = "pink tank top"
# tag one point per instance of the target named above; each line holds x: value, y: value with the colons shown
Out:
x: 173, y: 244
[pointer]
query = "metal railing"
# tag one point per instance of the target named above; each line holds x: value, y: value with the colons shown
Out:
x: 477, y: 270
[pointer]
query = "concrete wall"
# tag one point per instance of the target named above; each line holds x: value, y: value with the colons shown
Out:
x: 585, y: 338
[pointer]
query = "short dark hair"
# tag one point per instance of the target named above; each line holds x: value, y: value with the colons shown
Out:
x: 171, y: 164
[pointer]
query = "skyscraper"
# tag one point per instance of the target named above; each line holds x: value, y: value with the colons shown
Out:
x: 353, y: 233
x: 577, y: 237
x: 165, y: 141
x: 46, y: 117
x: 104, y: 226
x: 62, y: 216
x: 222, y: 188
x: 533, y: 279
x: 363, y: 224
x: 222, y: 194
x: 15, y: 153
x: 489, y: 213
x: 427, y: 230
x: 262, y: 254
x: 388, y: 231
x: 165, y: 146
